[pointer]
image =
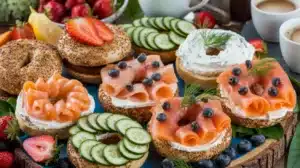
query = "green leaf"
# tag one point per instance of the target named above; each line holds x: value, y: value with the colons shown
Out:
x: 294, y: 81
x: 5, y: 108
x: 133, y: 10
x: 274, y: 132
x: 13, y: 103
x: 233, y: 127
x: 297, y: 108
x: 244, y: 130
x: 181, y: 164
x: 294, y: 153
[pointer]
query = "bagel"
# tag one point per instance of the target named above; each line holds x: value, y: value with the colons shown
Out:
x: 81, y: 60
x: 23, y: 60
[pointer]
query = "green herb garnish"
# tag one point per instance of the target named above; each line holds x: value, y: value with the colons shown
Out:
x: 263, y: 67
x: 215, y: 40
x: 180, y: 164
x: 273, y: 132
x: 294, y: 152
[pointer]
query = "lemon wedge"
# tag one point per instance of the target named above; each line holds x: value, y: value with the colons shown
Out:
x: 43, y: 28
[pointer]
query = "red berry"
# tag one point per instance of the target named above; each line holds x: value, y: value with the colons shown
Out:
x: 55, y: 11
x: 6, y: 159
x: 3, y: 125
x: 71, y: 3
x: 81, y: 10
x: 103, y: 8
x: 259, y: 45
x: 205, y: 20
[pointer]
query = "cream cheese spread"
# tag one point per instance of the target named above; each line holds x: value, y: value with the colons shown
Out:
x: 193, y: 56
x: 41, y: 124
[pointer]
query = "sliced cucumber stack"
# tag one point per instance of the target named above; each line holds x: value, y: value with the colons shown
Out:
x: 138, y: 136
x: 174, y: 23
x: 97, y: 154
x: 129, y: 31
x: 124, y: 124
x: 135, y: 148
x: 163, y: 42
x: 84, y: 125
x: 85, y: 149
x: 175, y: 38
x: 101, y: 120
x: 92, y: 121
x: 126, y: 26
x: 74, y: 130
x: 167, y: 22
x: 111, y: 121
x: 137, y: 23
x: 159, y: 22
x: 151, y: 22
x: 136, y: 36
x: 185, y: 27
x: 127, y: 153
x: 150, y: 40
x: 143, y: 37
x: 80, y: 137
x: 144, y: 22
x: 113, y: 155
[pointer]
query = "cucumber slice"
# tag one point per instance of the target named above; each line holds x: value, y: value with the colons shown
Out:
x: 138, y: 136
x: 111, y: 121
x: 74, y: 130
x: 185, y: 27
x: 85, y: 149
x: 136, y: 35
x: 92, y: 121
x: 127, y: 154
x: 176, y: 38
x: 81, y: 136
x: 151, y: 22
x: 113, y: 156
x: 97, y: 154
x: 124, y: 124
x: 137, y: 22
x: 135, y: 148
x: 150, y: 40
x: 159, y: 22
x: 126, y: 26
x: 101, y: 120
x: 129, y: 31
x: 163, y: 42
x: 143, y: 37
x: 174, y: 27
x: 144, y: 22
x: 167, y: 22
x: 83, y: 124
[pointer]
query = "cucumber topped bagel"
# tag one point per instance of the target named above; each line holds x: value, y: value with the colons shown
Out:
x: 106, y: 139
x: 158, y: 35
x: 133, y: 87
x: 51, y: 107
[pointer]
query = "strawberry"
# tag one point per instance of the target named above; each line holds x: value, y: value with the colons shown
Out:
x: 40, y: 148
x: 5, y: 37
x: 55, y: 11
x: 89, y: 31
x: 6, y: 159
x: 41, y: 5
x: 3, y: 126
x: 22, y: 31
x: 69, y: 4
x: 205, y: 20
x: 103, y: 8
x: 259, y: 45
x: 81, y: 10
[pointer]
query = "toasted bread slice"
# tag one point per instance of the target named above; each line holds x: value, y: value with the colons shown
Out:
x: 85, y: 78
x: 77, y: 161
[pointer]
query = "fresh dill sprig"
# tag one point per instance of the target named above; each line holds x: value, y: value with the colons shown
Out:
x: 208, y: 94
x: 215, y: 40
x: 263, y: 67
x: 180, y: 164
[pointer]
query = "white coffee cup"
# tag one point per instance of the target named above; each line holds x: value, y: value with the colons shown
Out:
x: 290, y: 50
x: 267, y: 24
x: 175, y: 8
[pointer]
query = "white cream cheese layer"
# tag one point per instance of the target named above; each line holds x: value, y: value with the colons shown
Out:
x: 271, y: 115
x: 192, y: 52
x: 218, y: 140
x: 127, y: 104
x: 41, y: 124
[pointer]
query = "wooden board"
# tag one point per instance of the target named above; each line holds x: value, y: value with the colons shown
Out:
x: 268, y: 154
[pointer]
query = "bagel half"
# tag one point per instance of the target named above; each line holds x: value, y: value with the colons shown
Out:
x: 83, y: 77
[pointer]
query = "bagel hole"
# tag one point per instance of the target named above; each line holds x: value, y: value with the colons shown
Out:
x: 110, y: 138
x: 184, y: 122
x: 26, y: 61
x: 257, y: 89
x: 212, y: 51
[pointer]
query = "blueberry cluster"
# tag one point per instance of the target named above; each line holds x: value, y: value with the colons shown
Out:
x: 273, y: 91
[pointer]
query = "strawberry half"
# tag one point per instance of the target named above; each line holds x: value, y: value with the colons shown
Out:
x: 259, y: 45
x: 40, y: 148
x: 6, y: 159
x: 205, y: 20
x: 89, y: 31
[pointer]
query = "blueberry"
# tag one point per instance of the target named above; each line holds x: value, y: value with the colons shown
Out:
x: 244, y: 146
x: 236, y: 71
x: 257, y: 139
x: 166, y: 105
x: 155, y: 64
x: 113, y: 73
x: 161, y: 117
x: 195, y: 126
x: 243, y: 90
x: 273, y: 91
x: 223, y: 160
x: 156, y: 76
x: 276, y: 82
x: 208, y: 112
x: 248, y: 64
x: 122, y: 65
x: 231, y: 152
x: 148, y: 81
x: 129, y: 87
x: 233, y: 80
x: 63, y: 163
x: 142, y: 58
x: 204, y: 164
x: 166, y: 163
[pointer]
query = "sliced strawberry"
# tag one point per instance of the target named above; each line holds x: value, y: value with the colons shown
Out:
x: 83, y: 30
x: 40, y: 148
x: 259, y: 45
x: 103, y: 31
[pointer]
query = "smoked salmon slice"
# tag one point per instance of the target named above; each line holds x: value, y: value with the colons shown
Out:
x: 207, y: 130
x: 139, y: 93
x: 167, y: 74
x: 161, y: 91
x: 187, y: 137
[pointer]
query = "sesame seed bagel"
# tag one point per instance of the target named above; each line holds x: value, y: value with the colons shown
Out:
x: 92, y: 78
x: 166, y: 150
x: 26, y: 60
x: 92, y: 56
x: 79, y: 162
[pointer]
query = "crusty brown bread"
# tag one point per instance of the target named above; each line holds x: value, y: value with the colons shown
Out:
x: 85, y: 78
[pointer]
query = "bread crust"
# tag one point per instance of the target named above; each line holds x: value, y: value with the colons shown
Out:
x: 79, y: 162
x: 86, y: 78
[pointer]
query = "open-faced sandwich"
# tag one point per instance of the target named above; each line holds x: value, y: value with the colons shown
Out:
x: 88, y: 44
x: 190, y: 128
x: 258, y: 92
x: 51, y: 107
x: 208, y: 52
x: 133, y: 87
x: 108, y: 140
x: 158, y: 35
